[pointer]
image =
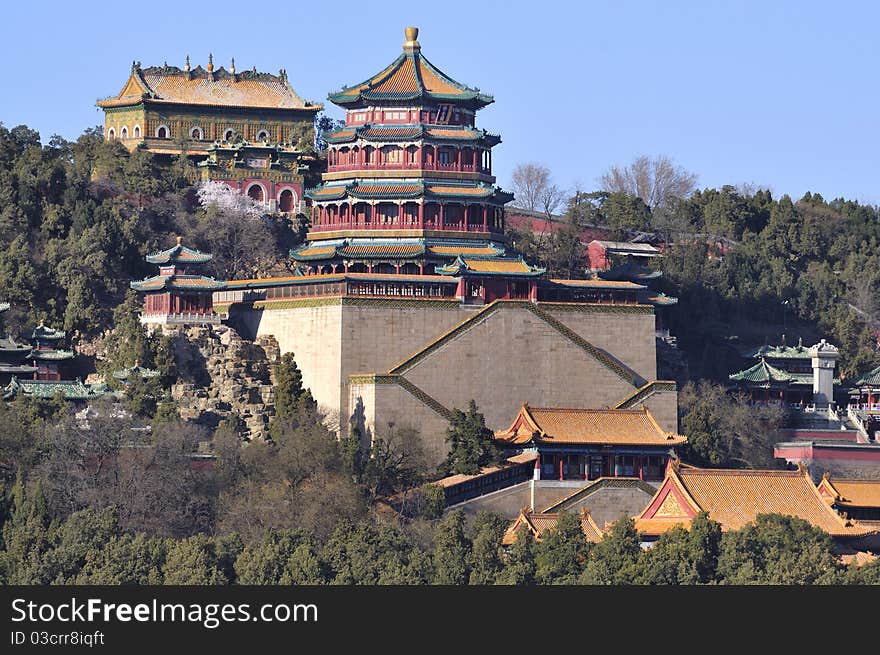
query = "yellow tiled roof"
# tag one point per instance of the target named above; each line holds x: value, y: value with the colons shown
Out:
x: 241, y: 93
x: 859, y: 493
x: 462, y: 250
x: 442, y: 132
x: 583, y: 426
x: 735, y: 498
x: 459, y: 190
x: 389, y: 249
x: 496, y: 266
x: 538, y: 524
x: 317, y: 252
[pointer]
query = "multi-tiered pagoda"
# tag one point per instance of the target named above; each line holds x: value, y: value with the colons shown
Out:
x: 178, y: 294
x: 409, y: 186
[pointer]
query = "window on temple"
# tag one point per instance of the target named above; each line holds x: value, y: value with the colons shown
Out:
x: 123, y: 133
x: 162, y: 132
x: 285, y: 201
x: 368, y: 155
x: 137, y: 131
x: 111, y: 134
x: 227, y: 135
x: 255, y: 192
x: 411, y: 154
x: 624, y: 465
x: 197, y: 134
x: 393, y: 154
x: 444, y: 156
x: 262, y: 135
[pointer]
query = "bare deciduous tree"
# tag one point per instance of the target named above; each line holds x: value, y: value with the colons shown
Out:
x: 534, y: 190
x: 656, y: 180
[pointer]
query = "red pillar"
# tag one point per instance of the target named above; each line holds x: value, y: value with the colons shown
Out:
x: 485, y: 217
x: 440, y: 226
x: 400, y: 214
x: 422, y: 214
x: 560, y: 468
x: 458, y: 159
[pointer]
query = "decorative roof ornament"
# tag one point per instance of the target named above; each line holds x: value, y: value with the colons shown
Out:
x: 186, y: 66
x: 232, y: 68
x: 210, y: 62
x: 411, y: 44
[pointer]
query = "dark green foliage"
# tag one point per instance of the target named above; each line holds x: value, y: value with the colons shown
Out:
x: 613, y: 560
x: 485, y: 559
x: 451, y: 551
x: 682, y: 556
x: 519, y: 562
x: 281, y: 557
x: 561, y: 554
x: 470, y: 443
x: 291, y: 400
x: 778, y: 550
x: 193, y: 561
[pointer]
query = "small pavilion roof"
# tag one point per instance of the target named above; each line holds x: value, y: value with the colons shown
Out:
x: 51, y: 355
x: 869, y: 379
x: 411, y: 77
x: 69, y: 389
x: 43, y: 333
x: 539, y: 523
x: 137, y: 369
x: 199, y: 86
x: 630, y: 270
x: 490, y: 266
x: 192, y: 283
x: 562, y: 425
x: 735, y: 498
x: 10, y: 346
x: 780, y: 351
x: 179, y: 254
x: 762, y: 373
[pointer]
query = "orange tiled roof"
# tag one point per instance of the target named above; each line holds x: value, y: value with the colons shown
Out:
x: 597, y: 283
x: 858, y: 493
x: 172, y: 85
x: 447, y: 132
x: 583, y: 426
x: 538, y: 523
x: 460, y: 190
x: 735, y: 498
x: 497, y: 266
x: 390, y: 250
x: 463, y: 250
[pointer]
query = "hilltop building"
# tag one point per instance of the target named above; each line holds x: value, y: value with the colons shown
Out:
x: 178, y: 294
x: 13, y: 356
x: 46, y: 353
x: 407, y: 300
x: 248, y: 129
x: 790, y: 374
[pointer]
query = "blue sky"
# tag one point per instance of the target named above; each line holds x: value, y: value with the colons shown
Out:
x: 784, y: 95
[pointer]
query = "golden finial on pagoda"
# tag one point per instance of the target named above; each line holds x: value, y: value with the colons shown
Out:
x: 186, y: 66
x: 179, y: 240
x: 210, y: 62
x: 232, y: 68
x: 411, y: 34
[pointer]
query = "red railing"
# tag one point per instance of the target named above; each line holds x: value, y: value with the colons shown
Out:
x: 428, y: 225
x: 406, y: 166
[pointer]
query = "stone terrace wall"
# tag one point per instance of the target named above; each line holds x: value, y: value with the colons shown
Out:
x: 221, y: 374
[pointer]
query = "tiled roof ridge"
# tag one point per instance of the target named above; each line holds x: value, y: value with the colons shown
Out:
x: 599, y: 410
x: 741, y: 472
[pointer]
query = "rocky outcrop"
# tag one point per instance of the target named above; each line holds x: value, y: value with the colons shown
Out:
x: 221, y: 375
